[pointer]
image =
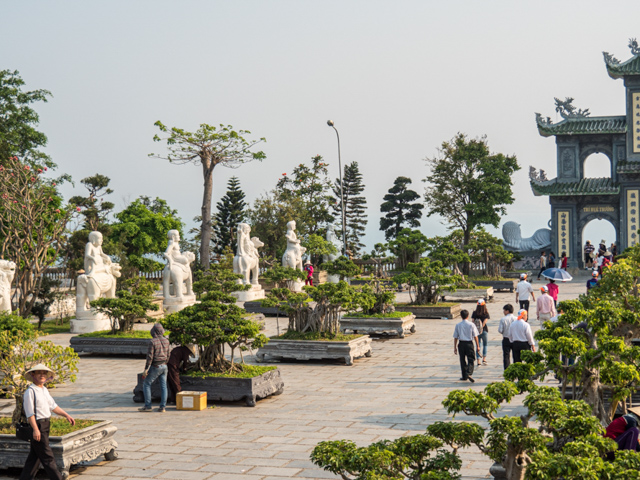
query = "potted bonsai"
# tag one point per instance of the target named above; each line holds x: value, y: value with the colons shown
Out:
x: 378, y: 315
x: 314, y: 331
x: 216, y: 324
x: 279, y: 277
x: 133, y: 302
x: 427, y: 281
x: 87, y: 440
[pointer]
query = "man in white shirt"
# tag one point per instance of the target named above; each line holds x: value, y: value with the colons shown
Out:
x: 520, y: 336
x: 465, y: 334
x: 524, y: 291
x: 503, y: 328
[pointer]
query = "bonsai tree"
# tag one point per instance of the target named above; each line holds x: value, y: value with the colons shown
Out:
x: 323, y: 320
x: 485, y: 252
x: 131, y: 303
x: 317, y: 248
x: 19, y: 351
x: 376, y: 298
x: 215, y: 322
x: 408, y: 246
x: 342, y: 267
x: 427, y: 280
x: 286, y: 276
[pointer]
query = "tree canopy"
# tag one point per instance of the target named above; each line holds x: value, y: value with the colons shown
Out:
x: 231, y: 212
x: 355, y: 207
x: 400, y: 208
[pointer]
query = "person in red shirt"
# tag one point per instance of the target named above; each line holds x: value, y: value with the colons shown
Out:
x: 563, y: 261
x: 553, y: 291
x: 624, y: 431
x: 309, y: 269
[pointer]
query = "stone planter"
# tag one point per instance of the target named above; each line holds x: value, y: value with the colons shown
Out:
x: 110, y: 346
x: 278, y: 349
x: 223, y: 389
x: 428, y: 311
x: 80, y: 446
x: 469, y: 294
x: 379, y: 326
x: 256, y: 307
x: 515, y: 275
x: 497, y: 284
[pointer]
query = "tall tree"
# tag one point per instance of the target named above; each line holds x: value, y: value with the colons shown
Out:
x: 468, y: 185
x: 18, y: 121
x: 355, y: 206
x: 141, y: 229
x: 231, y: 211
x: 208, y: 146
x: 400, y: 208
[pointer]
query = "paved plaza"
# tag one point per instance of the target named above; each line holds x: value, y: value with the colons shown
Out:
x: 396, y: 392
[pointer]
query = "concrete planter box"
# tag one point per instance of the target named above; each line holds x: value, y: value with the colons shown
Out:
x: 278, y: 349
x: 498, y: 472
x: 428, y: 311
x: 80, y: 446
x: 110, y: 346
x: 497, y: 284
x: 469, y: 294
x: 223, y: 389
x: 379, y: 326
x: 515, y: 275
x: 256, y: 307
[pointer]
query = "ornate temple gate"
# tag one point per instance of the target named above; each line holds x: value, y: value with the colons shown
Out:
x: 576, y: 200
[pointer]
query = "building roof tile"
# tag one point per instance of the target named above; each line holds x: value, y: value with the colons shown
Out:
x: 586, y: 186
x: 583, y: 126
x: 615, y: 69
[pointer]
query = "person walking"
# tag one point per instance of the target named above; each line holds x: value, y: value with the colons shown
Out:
x: 503, y: 328
x: 553, y: 291
x: 593, y: 281
x: 480, y: 317
x: 545, y: 307
x: 563, y: 261
x: 520, y: 336
x: 156, y: 368
x: 614, y: 252
x: 524, y: 292
x: 464, y: 335
x: 599, y: 263
x: 588, y: 255
x: 178, y: 362
x: 542, y: 263
x: 308, y: 267
x: 38, y: 405
x: 551, y: 260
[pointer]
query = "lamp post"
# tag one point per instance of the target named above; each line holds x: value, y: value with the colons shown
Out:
x: 344, y: 225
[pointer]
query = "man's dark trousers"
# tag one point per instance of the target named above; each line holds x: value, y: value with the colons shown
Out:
x: 517, y: 348
x: 40, y: 452
x: 467, y: 358
x: 524, y: 305
x: 506, y: 352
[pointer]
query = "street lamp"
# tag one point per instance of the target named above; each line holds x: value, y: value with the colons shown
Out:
x: 344, y: 225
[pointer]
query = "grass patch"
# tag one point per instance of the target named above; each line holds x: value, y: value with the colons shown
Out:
x: 49, y: 327
x: 59, y: 426
x: 318, y: 336
x: 377, y: 315
x: 248, y: 371
x: 439, y: 304
x: 108, y: 334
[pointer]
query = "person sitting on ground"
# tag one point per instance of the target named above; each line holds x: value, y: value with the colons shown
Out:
x: 178, y: 362
x: 624, y: 431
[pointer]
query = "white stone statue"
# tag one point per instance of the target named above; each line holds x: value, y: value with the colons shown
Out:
x: 333, y: 239
x: 293, y: 254
x: 98, y: 280
x: 177, y: 278
x: 247, y: 259
x: 247, y: 263
x: 7, y: 273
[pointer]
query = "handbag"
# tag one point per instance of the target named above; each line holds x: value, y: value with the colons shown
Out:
x: 24, y: 430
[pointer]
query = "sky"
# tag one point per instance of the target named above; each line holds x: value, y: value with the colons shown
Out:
x: 397, y: 77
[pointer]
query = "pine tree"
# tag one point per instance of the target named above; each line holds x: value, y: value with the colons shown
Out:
x: 231, y: 212
x: 356, y: 206
x: 401, y: 209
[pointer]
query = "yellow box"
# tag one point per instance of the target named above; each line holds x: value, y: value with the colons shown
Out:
x: 191, y: 400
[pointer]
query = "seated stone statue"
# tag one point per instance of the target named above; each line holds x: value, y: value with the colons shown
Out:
x: 177, y: 272
x: 247, y: 259
x: 333, y: 239
x: 100, y: 275
x: 514, y: 242
x: 7, y: 272
x: 293, y: 254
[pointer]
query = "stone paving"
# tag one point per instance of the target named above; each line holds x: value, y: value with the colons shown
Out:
x: 396, y: 392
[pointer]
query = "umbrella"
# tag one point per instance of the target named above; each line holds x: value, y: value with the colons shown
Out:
x: 557, y: 274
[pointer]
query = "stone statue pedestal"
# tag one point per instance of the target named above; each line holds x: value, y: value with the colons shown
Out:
x: 173, y: 304
x: 256, y: 292
x: 333, y: 278
x: 296, y: 286
x: 90, y: 321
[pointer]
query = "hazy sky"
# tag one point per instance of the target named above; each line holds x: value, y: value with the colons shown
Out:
x: 397, y: 77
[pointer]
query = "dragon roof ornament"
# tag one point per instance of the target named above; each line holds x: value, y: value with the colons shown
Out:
x: 566, y: 109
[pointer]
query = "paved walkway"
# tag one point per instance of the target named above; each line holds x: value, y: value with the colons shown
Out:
x: 396, y: 392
